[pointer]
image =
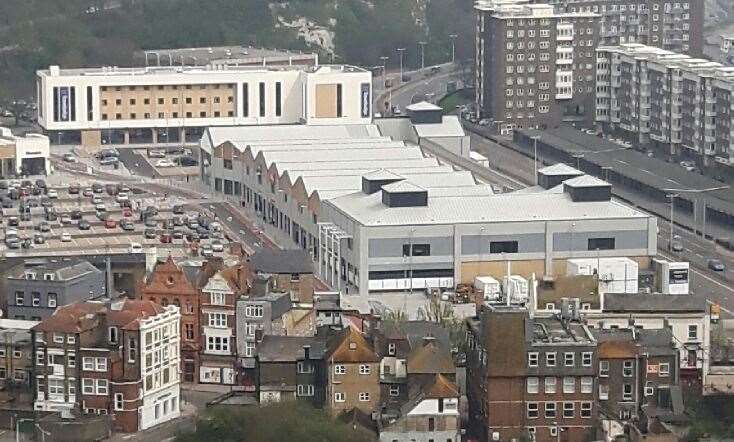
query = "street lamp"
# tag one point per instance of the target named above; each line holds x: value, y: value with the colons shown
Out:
x: 453, y: 46
x: 535, y: 156
x: 423, y: 44
x: 710, y: 189
x: 400, y: 51
x: 384, y: 69
x: 672, y: 197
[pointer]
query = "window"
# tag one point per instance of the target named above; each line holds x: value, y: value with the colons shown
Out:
x: 35, y: 299
x: 304, y: 367
x: 391, y: 347
x: 601, y: 244
x: 586, y: 358
x: 102, y: 387
x: 550, y: 359
x: 532, y: 385
x: 279, y: 104
x: 58, y: 338
x: 603, y: 392
x: 364, y: 397
x: 161, y: 101
x: 217, y: 298
x: 503, y: 247
x: 56, y: 386
x: 533, y: 359
x: 550, y: 385
x: 218, y: 320
x: 202, y: 100
x: 119, y: 401
x: 254, y: 311
x: 664, y: 369
x: 627, y: 392
x: 604, y: 369
x: 17, y: 354
x: 305, y: 390
x: 19, y: 298
x: 417, y: 249
x: 87, y: 386
x: 587, y: 384
x: 394, y: 390
x: 340, y: 397
x: 627, y: 368
x: 189, y: 331
x: 112, y: 335
x: 51, y: 300
x: 71, y: 359
x: 568, y: 359
x: 550, y: 410
x: 692, y: 332
x: 100, y: 364
x: 131, y: 350
x: 568, y: 409
x: 340, y: 369
x: 364, y: 369
x: 586, y: 409
x: 262, y: 99
x: 245, y: 101
x: 532, y: 410
x: 217, y: 344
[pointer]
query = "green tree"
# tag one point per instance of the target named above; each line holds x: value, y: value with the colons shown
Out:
x: 292, y: 420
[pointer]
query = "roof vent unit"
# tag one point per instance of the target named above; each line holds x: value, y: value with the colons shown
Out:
x: 373, y: 181
x: 425, y: 113
x: 588, y: 188
x: 551, y: 176
x: 404, y: 194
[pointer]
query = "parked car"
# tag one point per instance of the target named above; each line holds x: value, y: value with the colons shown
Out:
x: 73, y: 189
x: 164, y: 163
x: 97, y: 188
x: 110, y: 223
x: 150, y: 233
x: 109, y: 161
x: 166, y: 238
x: 100, y: 208
x: 13, y: 242
x: 179, y: 209
x: 111, y: 189
x: 177, y: 234
x: 122, y: 196
x: 127, y: 225
x: 76, y: 214
x: 52, y: 193
x: 127, y: 212
x: 206, y: 251
x: 84, y: 225
x: 44, y: 226
x: 97, y: 200
x: 38, y: 238
x: 88, y: 192
x: 676, y: 246
x: 156, y: 154
x: 65, y: 237
x: 69, y: 158
x: 217, y: 246
x: 13, y: 221
x: 65, y: 219
x: 135, y: 247
x: 151, y: 222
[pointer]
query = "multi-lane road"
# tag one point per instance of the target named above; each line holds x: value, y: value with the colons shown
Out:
x: 714, y: 286
x: 423, y: 84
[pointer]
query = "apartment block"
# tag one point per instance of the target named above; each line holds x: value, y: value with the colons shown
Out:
x: 120, y: 358
x: 667, y: 101
x: 535, y: 67
x: 530, y: 377
x: 671, y: 25
x: 171, y: 104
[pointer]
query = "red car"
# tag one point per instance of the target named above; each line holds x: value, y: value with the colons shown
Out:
x: 110, y: 223
x: 127, y: 212
x: 166, y: 238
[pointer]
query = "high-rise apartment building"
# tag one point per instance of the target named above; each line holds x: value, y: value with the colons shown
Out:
x: 667, y: 101
x: 673, y: 25
x: 534, y: 67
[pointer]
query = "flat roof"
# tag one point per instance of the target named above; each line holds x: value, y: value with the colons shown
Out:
x: 217, y: 135
x: 115, y: 71
x: 449, y: 127
x: 370, y: 211
x: 654, y: 303
x: 429, y: 179
x: 205, y: 55
x: 633, y: 164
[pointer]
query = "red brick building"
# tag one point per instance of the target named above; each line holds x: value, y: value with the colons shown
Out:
x: 169, y: 284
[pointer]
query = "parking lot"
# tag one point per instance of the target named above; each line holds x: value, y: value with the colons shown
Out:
x: 38, y: 218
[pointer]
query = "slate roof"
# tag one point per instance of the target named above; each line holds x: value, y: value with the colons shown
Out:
x: 288, y: 348
x: 80, y: 316
x: 350, y: 346
x: 429, y: 358
x: 281, y: 261
x: 62, y: 270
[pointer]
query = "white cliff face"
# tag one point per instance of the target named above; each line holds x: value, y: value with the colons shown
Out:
x: 313, y: 34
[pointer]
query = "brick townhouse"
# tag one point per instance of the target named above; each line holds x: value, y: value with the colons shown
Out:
x: 119, y: 357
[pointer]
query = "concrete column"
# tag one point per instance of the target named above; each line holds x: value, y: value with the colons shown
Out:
x: 182, y: 135
x: 126, y: 137
x: 548, y: 250
x: 154, y: 135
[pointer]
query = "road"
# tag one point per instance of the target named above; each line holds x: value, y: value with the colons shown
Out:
x: 421, y: 83
x: 713, y: 286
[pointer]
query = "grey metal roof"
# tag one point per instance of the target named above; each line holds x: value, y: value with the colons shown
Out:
x: 62, y: 270
x: 281, y: 261
x: 625, y: 302
x: 586, y: 181
x: 559, y: 169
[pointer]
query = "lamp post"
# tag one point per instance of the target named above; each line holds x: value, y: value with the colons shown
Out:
x: 672, y: 197
x: 422, y: 44
x: 401, y: 51
x: 453, y: 46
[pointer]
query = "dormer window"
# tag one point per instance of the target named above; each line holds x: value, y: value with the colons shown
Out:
x: 30, y: 275
x: 169, y: 281
x: 48, y: 276
x: 352, y: 345
x: 112, y: 335
x: 391, y: 349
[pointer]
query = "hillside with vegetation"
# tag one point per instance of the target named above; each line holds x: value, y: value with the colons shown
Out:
x: 74, y: 33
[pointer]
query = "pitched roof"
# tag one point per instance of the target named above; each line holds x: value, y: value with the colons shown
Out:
x: 281, y: 261
x: 430, y: 358
x: 63, y: 270
x: 288, y: 348
x: 168, y: 277
x: 441, y: 388
x: 80, y: 316
x: 351, y: 346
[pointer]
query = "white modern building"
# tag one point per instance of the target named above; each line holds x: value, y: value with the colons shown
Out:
x: 28, y: 155
x: 173, y: 104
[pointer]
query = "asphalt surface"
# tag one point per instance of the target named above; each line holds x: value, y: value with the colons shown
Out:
x: 421, y: 83
x: 713, y: 286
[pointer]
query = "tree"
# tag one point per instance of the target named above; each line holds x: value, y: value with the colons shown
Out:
x: 442, y: 313
x: 291, y: 420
